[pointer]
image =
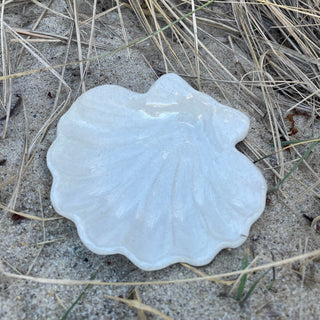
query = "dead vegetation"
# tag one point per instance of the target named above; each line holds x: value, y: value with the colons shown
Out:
x: 262, y: 56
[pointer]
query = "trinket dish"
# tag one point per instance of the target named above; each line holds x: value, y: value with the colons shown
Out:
x: 155, y: 176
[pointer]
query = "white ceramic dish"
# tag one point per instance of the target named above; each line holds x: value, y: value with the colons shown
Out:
x: 155, y: 176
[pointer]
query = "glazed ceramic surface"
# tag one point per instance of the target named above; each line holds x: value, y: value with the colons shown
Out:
x: 155, y: 176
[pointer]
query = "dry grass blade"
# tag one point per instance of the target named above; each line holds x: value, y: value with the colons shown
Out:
x: 310, y: 255
x: 196, y: 45
x: 121, y: 48
x: 44, y: 236
x: 283, y: 41
x: 268, y: 28
x: 12, y: 3
x: 45, y: 37
x: 184, y: 33
x: 37, y: 34
x: 246, y: 22
x: 123, y: 27
x: 6, y: 70
x: 50, y: 10
x: 76, y: 22
x: 159, y: 38
x: 134, y: 295
x: 202, y: 274
x: 57, y: 110
x: 22, y: 165
x: 101, y: 14
x: 91, y: 39
x: 33, y: 29
x: 142, y: 15
x: 26, y: 215
x: 35, y: 53
x: 141, y: 306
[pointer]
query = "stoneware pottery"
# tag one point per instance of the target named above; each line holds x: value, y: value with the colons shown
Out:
x: 155, y: 176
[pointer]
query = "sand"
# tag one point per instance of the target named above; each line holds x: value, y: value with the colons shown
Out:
x: 53, y: 250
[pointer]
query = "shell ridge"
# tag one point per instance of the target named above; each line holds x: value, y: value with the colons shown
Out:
x: 121, y: 188
x: 147, y: 187
x: 213, y: 195
x: 183, y: 183
x: 151, y: 193
x: 173, y: 196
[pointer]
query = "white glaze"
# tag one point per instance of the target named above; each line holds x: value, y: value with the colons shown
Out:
x: 155, y: 176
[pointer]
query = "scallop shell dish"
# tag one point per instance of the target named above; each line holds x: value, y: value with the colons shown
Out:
x: 155, y: 176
